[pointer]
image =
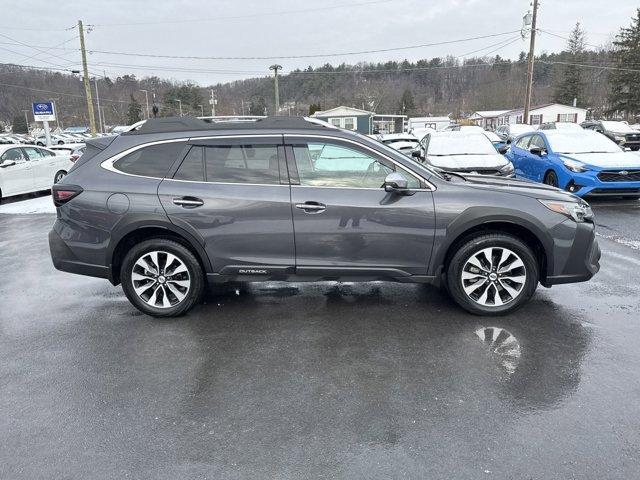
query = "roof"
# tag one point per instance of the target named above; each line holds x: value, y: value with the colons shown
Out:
x: 538, y: 107
x: 342, y: 111
x: 184, y: 124
x: 487, y: 114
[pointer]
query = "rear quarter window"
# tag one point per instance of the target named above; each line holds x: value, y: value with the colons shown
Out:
x: 151, y: 161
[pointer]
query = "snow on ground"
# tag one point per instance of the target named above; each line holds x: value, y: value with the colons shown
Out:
x: 28, y: 206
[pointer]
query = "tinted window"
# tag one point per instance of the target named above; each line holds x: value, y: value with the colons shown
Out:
x: 242, y: 164
x: 330, y: 165
x: 523, y: 142
x: 151, y: 161
x: 33, y: 153
x: 46, y: 153
x: 13, y: 154
x: 537, y: 141
x: 192, y: 167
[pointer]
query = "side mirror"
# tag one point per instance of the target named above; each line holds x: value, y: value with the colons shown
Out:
x: 503, y: 149
x: 537, y: 151
x: 416, y: 154
x: 395, y: 183
x: 7, y: 163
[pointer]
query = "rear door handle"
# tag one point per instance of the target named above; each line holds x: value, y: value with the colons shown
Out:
x: 188, y: 202
x: 311, y: 207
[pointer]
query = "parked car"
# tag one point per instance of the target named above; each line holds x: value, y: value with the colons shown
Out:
x: 74, y: 150
x: 510, y: 131
x: 571, y: 126
x: 462, y: 152
x: 41, y: 141
x: 179, y: 203
x: 403, y: 142
x: 619, y: 132
x: 25, y: 169
x: 583, y: 163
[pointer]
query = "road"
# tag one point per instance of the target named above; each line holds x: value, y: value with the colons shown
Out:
x: 325, y: 380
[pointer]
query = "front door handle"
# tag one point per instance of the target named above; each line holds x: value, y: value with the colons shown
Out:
x: 188, y: 202
x: 311, y: 207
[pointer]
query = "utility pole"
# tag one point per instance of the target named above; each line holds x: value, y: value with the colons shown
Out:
x: 532, y: 46
x: 146, y: 98
x: 275, y: 69
x: 26, y: 119
x: 95, y: 81
x: 201, y: 110
x: 213, y: 103
x: 87, y: 85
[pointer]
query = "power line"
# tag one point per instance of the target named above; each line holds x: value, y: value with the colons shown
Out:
x: 59, y: 93
x: 586, y: 65
x: 317, y: 55
x: 566, y: 38
x: 236, y: 17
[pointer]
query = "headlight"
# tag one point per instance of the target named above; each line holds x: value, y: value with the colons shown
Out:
x: 575, y: 166
x: 507, y: 169
x: 580, y: 212
x: 619, y: 138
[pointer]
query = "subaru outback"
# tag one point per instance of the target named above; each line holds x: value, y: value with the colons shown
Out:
x: 181, y: 203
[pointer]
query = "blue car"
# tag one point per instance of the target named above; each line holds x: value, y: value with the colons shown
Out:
x: 585, y: 163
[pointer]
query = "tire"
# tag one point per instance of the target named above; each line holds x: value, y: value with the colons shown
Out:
x: 59, y: 176
x: 635, y: 148
x: 511, y: 289
x: 551, y: 179
x: 60, y: 142
x: 40, y: 144
x: 184, y: 291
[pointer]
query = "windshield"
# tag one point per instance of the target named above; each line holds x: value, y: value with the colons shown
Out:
x: 584, y: 142
x: 400, y: 140
x: 520, y: 129
x: 445, y: 145
x: 619, y: 127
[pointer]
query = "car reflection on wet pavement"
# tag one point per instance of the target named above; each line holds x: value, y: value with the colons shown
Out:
x: 317, y: 380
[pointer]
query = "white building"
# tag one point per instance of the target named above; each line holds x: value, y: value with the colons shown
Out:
x: 437, y: 123
x: 550, y: 112
x: 487, y: 118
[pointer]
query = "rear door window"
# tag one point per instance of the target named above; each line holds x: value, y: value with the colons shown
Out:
x: 192, y: 167
x: 151, y: 161
x: 33, y: 153
x: 256, y: 164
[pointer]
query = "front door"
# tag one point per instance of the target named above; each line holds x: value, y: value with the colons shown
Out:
x: 230, y: 192
x: 16, y: 178
x: 344, y: 221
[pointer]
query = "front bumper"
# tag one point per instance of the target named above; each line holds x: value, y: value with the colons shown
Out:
x: 588, y: 184
x: 579, y: 262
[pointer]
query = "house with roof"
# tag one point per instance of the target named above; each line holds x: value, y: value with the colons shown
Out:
x: 548, y: 112
x: 487, y: 119
x: 348, y: 118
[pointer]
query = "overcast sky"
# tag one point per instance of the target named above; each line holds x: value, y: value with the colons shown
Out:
x: 242, y: 28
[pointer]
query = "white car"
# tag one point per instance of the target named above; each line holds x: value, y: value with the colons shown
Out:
x: 403, y: 142
x: 512, y: 130
x: 465, y: 153
x: 25, y: 169
x: 55, y: 140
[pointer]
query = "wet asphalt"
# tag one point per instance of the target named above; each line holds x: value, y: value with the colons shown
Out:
x: 321, y: 380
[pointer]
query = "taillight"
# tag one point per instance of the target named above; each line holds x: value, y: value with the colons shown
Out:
x: 74, y: 157
x: 63, y: 193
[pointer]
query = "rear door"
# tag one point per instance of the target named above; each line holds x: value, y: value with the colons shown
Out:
x: 344, y: 221
x: 40, y: 167
x: 234, y: 192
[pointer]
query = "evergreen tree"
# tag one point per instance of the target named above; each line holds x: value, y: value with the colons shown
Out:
x: 20, y: 124
x: 134, y: 112
x: 313, y: 108
x: 407, y: 104
x: 624, y: 95
x: 572, y: 85
x: 257, y: 106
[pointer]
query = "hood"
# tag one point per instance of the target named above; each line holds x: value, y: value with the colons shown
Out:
x: 614, y: 160
x: 519, y: 187
x: 465, y: 162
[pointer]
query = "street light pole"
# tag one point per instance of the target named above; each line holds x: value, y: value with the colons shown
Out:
x: 532, y: 46
x: 146, y: 98
x: 275, y: 69
x: 95, y: 81
x: 26, y: 119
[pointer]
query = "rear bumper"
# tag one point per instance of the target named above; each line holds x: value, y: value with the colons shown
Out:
x: 583, y: 260
x: 65, y: 260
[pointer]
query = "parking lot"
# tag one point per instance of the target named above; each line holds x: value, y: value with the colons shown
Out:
x: 319, y: 380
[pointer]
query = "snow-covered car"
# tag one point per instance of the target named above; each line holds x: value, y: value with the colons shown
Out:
x: 464, y: 153
x: 620, y: 132
x: 41, y: 141
x: 565, y: 126
x: 25, y: 169
x: 512, y: 130
x: 499, y: 144
x: 118, y: 129
x: 403, y: 142
x: 74, y: 150
x: 420, y: 133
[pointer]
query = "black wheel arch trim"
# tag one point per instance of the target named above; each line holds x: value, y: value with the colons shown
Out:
x: 475, y: 217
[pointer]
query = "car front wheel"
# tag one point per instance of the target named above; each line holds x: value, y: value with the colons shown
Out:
x: 492, y: 274
x: 162, y: 278
x: 59, y: 176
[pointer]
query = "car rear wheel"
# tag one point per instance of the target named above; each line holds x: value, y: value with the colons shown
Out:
x: 59, y: 176
x: 492, y: 274
x: 551, y: 178
x: 162, y: 278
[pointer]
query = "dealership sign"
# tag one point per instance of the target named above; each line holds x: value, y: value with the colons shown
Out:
x: 44, y: 112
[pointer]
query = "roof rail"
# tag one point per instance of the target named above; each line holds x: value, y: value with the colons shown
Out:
x: 182, y: 124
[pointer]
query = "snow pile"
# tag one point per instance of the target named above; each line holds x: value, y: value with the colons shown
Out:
x: 28, y: 206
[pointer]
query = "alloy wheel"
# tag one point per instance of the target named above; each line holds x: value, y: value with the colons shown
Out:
x: 493, y: 276
x: 160, y: 279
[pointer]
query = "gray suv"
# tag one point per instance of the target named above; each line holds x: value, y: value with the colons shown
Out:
x: 182, y: 203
